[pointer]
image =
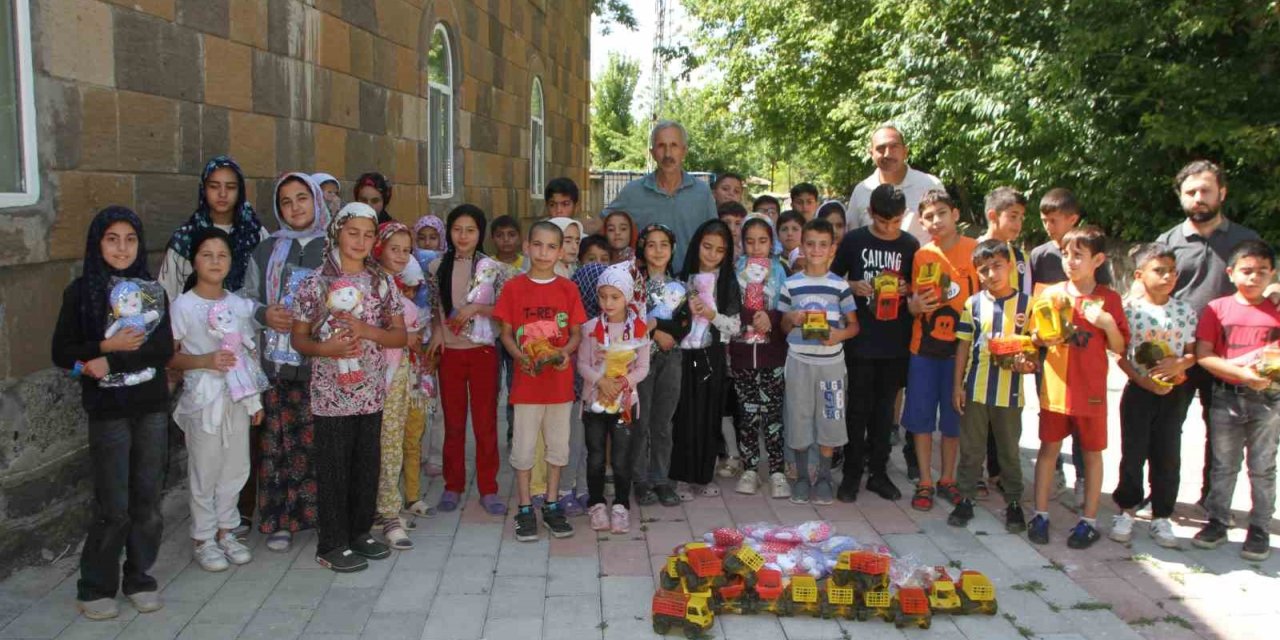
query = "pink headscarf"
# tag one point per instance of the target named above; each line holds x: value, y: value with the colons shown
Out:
x: 435, y: 223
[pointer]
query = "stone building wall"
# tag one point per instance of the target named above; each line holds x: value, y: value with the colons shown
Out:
x: 132, y: 96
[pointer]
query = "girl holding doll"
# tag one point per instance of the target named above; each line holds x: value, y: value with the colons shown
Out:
x: 429, y: 235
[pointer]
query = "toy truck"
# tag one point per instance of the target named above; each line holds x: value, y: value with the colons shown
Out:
x: 803, y: 593
x: 911, y: 607
x: 695, y: 569
x: 687, y: 612
x: 877, y: 603
x: 977, y: 595
x: 1006, y: 349
x: 929, y: 281
x: 942, y: 593
x: 863, y: 569
x: 888, y: 297
x: 1053, y: 317
x: 839, y: 602
x: 745, y: 562
x: 767, y: 596
x: 815, y: 325
x: 730, y: 597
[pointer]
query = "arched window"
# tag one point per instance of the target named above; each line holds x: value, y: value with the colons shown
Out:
x: 537, y: 140
x: 440, y: 114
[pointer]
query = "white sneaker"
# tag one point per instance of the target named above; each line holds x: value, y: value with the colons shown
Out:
x: 279, y: 541
x: 1162, y: 533
x: 1122, y: 527
x: 210, y: 557
x: 100, y: 609
x: 234, y: 550
x: 781, y: 487
x: 731, y: 467
x: 146, y: 601
x: 748, y: 483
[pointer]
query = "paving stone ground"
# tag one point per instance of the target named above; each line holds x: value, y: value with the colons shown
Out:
x: 468, y: 578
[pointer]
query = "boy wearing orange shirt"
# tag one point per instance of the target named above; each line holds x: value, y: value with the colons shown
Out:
x: 942, y: 279
x: 1078, y: 410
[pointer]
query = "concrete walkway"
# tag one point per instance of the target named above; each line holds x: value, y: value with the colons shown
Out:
x: 469, y: 578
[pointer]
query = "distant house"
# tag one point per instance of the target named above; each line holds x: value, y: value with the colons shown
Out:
x: 122, y: 101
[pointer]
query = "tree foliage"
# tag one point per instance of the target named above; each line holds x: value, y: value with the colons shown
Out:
x: 1108, y: 97
x: 613, y: 127
x: 611, y: 12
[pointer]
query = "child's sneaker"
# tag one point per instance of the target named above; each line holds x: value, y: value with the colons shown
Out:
x: 100, y: 609
x: 923, y: 500
x: 235, y: 551
x: 619, y: 519
x: 599, y: 514
x: 1122, y: 527
x: 1014, y: 520
x: 823, y: 492
x: 554, y: 520
x: 1083, y: 535
x: 526, y: 525
x: 1162, y: 533
x: 748, y: 483
x: 370, y: 548
x: 962, y: 514
x: 780, y: 488
x: 210, y: 556
x: 1211, y: 536
x: 881, y: 485
x: 800, y: 492
x: 1038, y: 530
x: 1257, y: 545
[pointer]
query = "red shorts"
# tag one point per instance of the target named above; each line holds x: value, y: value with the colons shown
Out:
x: 1091, y: 430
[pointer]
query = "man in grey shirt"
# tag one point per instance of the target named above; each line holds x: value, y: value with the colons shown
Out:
x: 1202, y: 245
x: 669, y: 195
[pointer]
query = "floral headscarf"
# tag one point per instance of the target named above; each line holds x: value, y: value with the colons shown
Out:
x: 246, y: 230
x: 350, y: 211
x: 435, y: 223
x: 285, y: 235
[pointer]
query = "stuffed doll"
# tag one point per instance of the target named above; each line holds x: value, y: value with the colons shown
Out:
x: 131, y: 308
x: 704, y: 286
x: 344, y: 296
x: 246, y: 377
x: 484, y: 290
x: 663, y: 305
x: 279, y: 345
x: 752, y: 278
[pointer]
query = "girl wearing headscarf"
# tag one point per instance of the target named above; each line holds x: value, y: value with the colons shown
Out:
x: 704, y: 375
x: 468, y: 370
x: 327, y: 183
x: 286, y: 495
x: 429, y: 235
x: 373, y: 189
x: 221, y: 203
x: 572, y: 230
x: 347, y: 405
x: 128, y: 426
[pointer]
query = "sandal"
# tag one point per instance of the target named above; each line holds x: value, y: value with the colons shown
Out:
x: 393, y: 531
x: 923, y: 499
x: 709, y: 490
x: 493, y: 505
x: 683, y: 491
x: 951, y: 492
x: 448, y: 501
x: 418, y: 508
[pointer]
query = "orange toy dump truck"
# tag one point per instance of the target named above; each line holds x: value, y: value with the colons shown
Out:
x: 686, y: 612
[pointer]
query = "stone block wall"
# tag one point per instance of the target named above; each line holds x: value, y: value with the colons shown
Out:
x: 132, y: 96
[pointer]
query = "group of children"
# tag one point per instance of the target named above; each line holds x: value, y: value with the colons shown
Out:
x: 618, y: 362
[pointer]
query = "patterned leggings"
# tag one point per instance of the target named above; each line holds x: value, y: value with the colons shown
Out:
x: 760, y: 391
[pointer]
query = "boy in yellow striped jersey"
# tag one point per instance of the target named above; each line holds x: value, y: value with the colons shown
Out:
x: 987, y: 395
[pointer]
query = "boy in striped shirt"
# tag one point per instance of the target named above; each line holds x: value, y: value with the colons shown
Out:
x: 815, y: 302
x: 987, y: 396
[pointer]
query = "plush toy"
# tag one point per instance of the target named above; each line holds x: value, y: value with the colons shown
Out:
x: 279, y: 344
x: 131, y: 308
x: 704, y: 285
x: 540, y: 342
x: 246, y: 377
x: 344, y: 296
x: 484, y: 290
x: 663, y: 304
x: 616, y: 361
x: 753, y: 276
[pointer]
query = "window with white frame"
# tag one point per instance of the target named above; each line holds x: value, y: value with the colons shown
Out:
x: 440, y: 115
x: 537, y: 140
x: 19, y: 185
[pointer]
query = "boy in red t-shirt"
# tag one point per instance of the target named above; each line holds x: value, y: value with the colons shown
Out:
x: 1078, y: 409
x: 1245, y: 413
x: 542, y: 317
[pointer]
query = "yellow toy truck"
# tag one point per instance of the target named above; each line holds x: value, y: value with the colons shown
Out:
x: 977, y: 595
x: 839, y: 602
x: 696, y: 569
x: 877, y: 603
x: 929, y: 282
x: 803, y: 593
x: 863, y: 569
x: 888, y: 297
x: 745, y: 562
x: 687, y: 612
x: 815, y: 325
x: 730, y: 597
x: 942, y: 593
x: 911, y: 607
x: 1053, y: 314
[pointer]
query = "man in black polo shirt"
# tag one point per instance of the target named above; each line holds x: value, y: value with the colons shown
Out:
x: 1202, y: 244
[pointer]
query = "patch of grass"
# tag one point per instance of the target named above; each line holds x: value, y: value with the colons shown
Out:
x: 1025, y: 632
x: 1142, y: 622
x: 604, y: 624
x: 1054, y: 608
x: 650, y: 519
x: 1034, y: 586
x: 1056, y: 566
x: 677, y: 519
x: 1144, y: 558
x: 954, y: 564
x: 1178, y: 577
x: 1196, y: 568
x: 644, y: 527
x: 1091, y: 606
x: 602, y: 538
x: 1179, y: 621
x: 980, y: 533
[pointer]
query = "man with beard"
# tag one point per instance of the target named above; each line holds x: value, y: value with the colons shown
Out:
x: 889, y: 152
x: 1202, y: 244
x: 669, y: 195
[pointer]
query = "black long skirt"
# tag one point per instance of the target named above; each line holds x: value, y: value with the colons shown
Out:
x: 695, y: 429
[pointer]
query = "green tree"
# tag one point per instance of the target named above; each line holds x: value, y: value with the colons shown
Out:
x: 613, y: 128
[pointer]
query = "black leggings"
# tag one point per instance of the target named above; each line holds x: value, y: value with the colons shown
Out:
x: 347, y: 464
x: 598, y: 427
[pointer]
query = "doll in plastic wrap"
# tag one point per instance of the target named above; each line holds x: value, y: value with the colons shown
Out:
x: 246, y: 377
x: 704, y: 286
x: 754, y: 297
x: 279, y: 344
x: 484, y: 290
x: 129, y: 310
x: 663, y: 305
x: 344, y: 296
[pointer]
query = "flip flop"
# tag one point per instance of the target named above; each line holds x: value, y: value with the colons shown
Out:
x: 493, y: 504
x: 448, y: 501
x: 709, y: 490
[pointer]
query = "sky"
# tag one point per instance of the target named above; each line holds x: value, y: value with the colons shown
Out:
x: 637, y: 44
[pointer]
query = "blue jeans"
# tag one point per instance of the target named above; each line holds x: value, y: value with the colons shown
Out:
x: 129, y: 456
x: 1243, y: 422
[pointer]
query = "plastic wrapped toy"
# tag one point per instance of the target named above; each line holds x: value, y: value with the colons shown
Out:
x: 1150, y: 353
x: 932, y: 282
x: 1014, y: 352
x: 888, y: 295
x: 246, y: 377
x: 135, y: 304
x: 538, y: 342
x: 663, y: 305
x: 344, y: 296
x: 617, y: 358
x: 755, y: 272
x: 279, y: 347
x: 1053, y: 314
x: 1268, y: 365
x: 484, y: 290
x: 703, y: 285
